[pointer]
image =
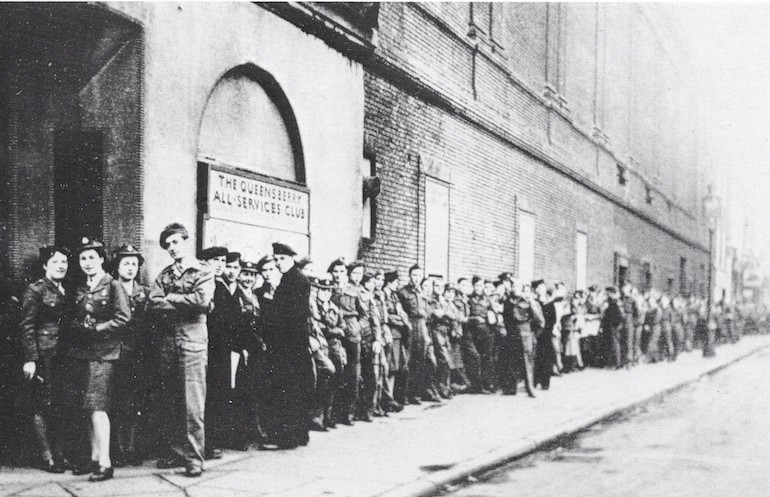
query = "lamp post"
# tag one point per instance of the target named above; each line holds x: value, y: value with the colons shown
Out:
x: 711, y: 207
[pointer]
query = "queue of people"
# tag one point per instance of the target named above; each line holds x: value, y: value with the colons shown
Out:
x: 222, y: 353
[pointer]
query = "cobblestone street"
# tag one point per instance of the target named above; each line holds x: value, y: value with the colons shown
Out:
x: 487, y: 430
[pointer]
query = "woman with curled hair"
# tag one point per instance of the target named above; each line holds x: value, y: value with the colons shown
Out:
x: 101, y: 311
x: 43, y: 311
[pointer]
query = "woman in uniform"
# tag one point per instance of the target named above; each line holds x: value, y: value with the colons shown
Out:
x: 43, y: 311
x: 100, y: 314
x: 131, y: 374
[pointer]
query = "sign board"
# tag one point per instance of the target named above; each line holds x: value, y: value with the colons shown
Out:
x: 247, y: 212
x: 256, y: 202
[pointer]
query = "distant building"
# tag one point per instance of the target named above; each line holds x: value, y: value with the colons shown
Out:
x: 557, y: 140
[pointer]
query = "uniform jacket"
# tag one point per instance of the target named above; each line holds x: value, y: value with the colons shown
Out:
x: 398, y: 320
x: 137, y: 301
x: 181, y: 298
x: 518, y: 312
x: 461, y: 304
x: 442, y: 315
x: 44, y: 311
x: 108, y: 305
x: 353, y: 309
x: 479, y: 307
x: 379, y: 300
x: 413, y: 302
x: 371, y: 324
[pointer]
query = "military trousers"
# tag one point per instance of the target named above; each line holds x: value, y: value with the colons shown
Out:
x: 471, y: 360
x: 667, y: 336
x: 422, y: 360
x: 484, y: 341
x: 347, y: 397
x: 183, y: 386
x: 519, y: 358
x: 653, y: 346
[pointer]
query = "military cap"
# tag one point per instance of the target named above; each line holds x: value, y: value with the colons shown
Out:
x: 391, y: 276
x: 283, y: 249
x: 49, y: 250
x: 340, y: 261
x: 172, y: 229
x: 249, y: 266
x: 414, y: 267
x: 87, y: 243
x: 450, y: 287
x: 368, y: 275
x: 232, y: 257
x: 127, y: 251
x: 476, y: 279
x: 537, y: 283
x: 263, y: 261
x: 213, y: 252
x: 324, y: 282
x: 505, y: 276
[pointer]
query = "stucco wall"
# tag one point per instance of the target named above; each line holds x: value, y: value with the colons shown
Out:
x: 188, y: 47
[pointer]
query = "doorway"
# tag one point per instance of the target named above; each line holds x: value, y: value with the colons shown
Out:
x: 78, y: 185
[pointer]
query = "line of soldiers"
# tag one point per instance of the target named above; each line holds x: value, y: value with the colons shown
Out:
x: 266, y: 351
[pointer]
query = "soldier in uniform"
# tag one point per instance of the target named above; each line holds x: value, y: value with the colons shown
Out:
x: 693, y: 312
x: 479, y: 314
x: 653, y: 322
x: 181, y: 299
x: 387, y: 343
x: 465, y: 355
x: 679, y: 321
x: 394, y: 391
x: 640, y: 316
x: 612, y: 326
x: 135, y: 367
x: 247, y: 403
x: 327, y: 322
x: 440, y: 321
x: 629, y: 311
x: 44, y: 310
x: 454, y: 337
x: 371, y: 341
x: 288, y: 363
x: 100, y: 313
x: 216, y: 259
x: 224, y: 349
x: 518, y: 313
x: 422, y: 361
x: 347, y: 297
x: 323, y: 367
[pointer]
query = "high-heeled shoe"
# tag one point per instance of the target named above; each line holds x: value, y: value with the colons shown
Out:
x: 51, y: 466
x: 102, y: 474
x: 84, y: 469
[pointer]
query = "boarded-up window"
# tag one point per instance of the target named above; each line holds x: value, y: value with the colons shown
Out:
x: 526, y: 246
x: 436, y: 227
x: 581, y: 261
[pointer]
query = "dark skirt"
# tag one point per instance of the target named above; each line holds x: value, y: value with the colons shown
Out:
x: 89, y: 384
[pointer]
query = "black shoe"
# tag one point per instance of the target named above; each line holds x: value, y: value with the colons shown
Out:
x: 531, y: 395
x: 393, y: 407
x: 52, y: 466
x: 212, y: 454
x: 102, y: 474
x: 379, y: 413
x: 366, y: 416
x: 168, y: 463
x: 193, y: 471
x: 414, y: 401
x: 329, y: 423
x: 84, y: 469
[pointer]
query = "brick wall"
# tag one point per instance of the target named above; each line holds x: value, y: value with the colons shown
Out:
x: 476, y: 106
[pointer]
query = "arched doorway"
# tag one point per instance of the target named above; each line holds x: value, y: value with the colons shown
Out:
x: 251, y: 167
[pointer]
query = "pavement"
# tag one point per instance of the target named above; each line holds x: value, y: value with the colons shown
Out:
x: 708, y: 439
x: 416, y: 452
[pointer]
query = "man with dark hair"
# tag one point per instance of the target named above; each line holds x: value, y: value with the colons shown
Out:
x: 288, y: 363
x: 224, y: 340
x: 479, y: 316
x: 180, y: 299
x: 518, y: 313
x: 422, y: 361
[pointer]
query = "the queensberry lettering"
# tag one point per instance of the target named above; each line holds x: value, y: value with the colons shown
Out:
x: 258, y: 197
